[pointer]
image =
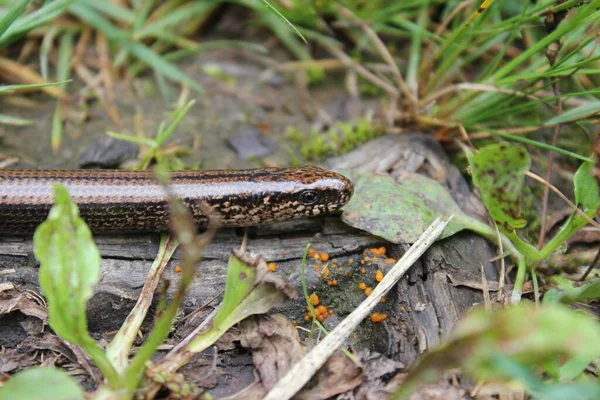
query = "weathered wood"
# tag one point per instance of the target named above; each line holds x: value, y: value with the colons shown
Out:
x: 422, y: 308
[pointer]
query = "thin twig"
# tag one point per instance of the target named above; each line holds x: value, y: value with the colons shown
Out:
x: 591, y: 267
x: 588, y: 219
x: 301, y: 372
x: 477, y: 87
x: 362, y: 71
x: 383, y: 50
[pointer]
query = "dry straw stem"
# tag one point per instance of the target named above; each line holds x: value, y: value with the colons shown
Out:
x: 301, y: 373
x: 583, y: 215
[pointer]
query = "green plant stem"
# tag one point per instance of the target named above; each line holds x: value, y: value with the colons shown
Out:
x: 519, y: 250
x: 118, y: 350
x: 115, y: 381
x: 135, y: 370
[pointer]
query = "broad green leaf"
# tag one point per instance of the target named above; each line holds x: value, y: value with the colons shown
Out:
x: 577, y: 113
x: 499, y: 171
x: 400, y: 212
x: 248, y: 291
x: 525, y: 335
x: 587, y: 194
x: 42, y: 383
x: 568, y: 291
x: 69, y: 267
x: 12, y: 15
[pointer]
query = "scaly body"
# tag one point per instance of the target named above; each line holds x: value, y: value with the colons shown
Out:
x: 131, y: 201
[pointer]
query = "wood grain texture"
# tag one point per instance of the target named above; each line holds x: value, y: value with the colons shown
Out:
x: 422, y: 308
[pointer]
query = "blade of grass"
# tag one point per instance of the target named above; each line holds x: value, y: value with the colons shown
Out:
x: 112, y: 9
x: 536, y: 144
x: 414, y: 58
x: 90, y: 16
x: 174, y: 18
x: 26, y: 75
x: 585, y: 15
x: 270, y: 7
x: 160, y: 64
x: 63, y: 69
x: 33, y: 20
x: 15, y: 88
x: 14, y: 121
x: 576, y: 113
x: 12, y: 14
x: 452, y: 47
x: 141, y: 14
x: 45, y: 49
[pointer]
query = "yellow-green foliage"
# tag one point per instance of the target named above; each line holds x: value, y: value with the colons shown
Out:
x: 339, y: 139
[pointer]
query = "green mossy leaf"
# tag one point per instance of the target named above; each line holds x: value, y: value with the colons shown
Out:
x: 499, y: 171
x: 400, y: 212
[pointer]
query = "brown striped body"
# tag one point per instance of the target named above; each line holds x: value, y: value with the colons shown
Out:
x: 133, y: 201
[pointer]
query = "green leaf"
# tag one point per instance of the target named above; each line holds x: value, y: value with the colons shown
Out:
x: 63, y: 68
x: 248, y: 291
x: 69, y: 271
x: 15, y: 121
x: 177, y: 17
x: 576, y: 114
x: 16, y: 88
x: 69, y: 267
x: 12, y: 15
x: 270, y: 7
x: 42, y: 383
x: 587, y: 198
x: 400, y: 212
x: 33, y: 20
x: 538, y: 389
x: 158, y: 63
x: 113, y: 10
x: 527, y: 336
x: 92, y: 17
x: 134, y: 139
x: 164, y: 134
x: 569, y: 292
x: 521, y: 139
x: 587, y: 194
x: 499, y: 171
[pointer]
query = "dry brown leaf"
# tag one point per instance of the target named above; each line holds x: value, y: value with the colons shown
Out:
x: 275, y: 346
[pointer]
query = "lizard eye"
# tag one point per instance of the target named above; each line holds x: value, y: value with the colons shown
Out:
x: 309, y: 197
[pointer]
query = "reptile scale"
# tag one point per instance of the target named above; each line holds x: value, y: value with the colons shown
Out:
x: 115, y: 201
